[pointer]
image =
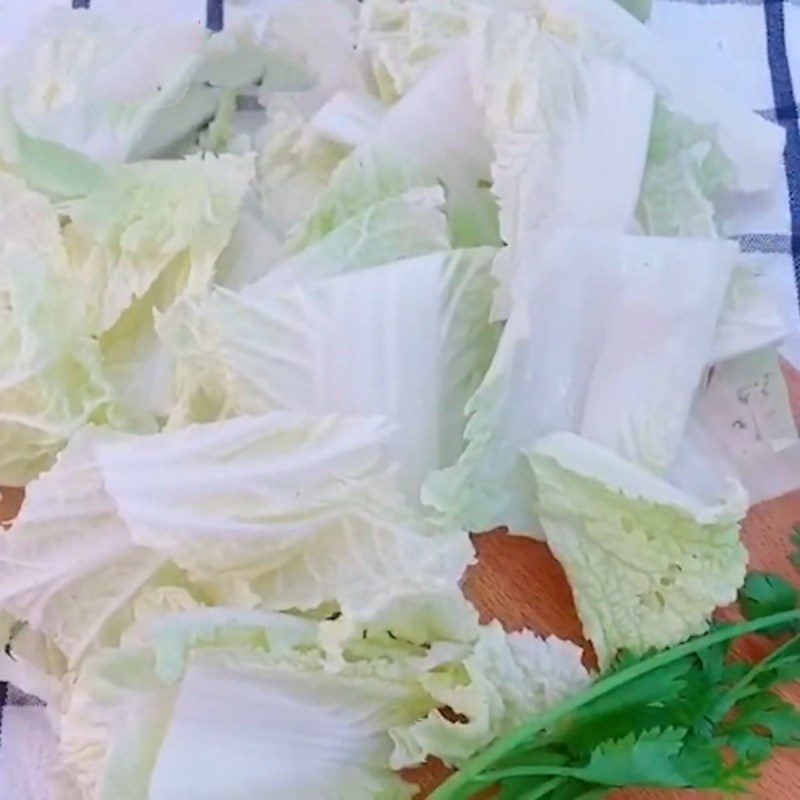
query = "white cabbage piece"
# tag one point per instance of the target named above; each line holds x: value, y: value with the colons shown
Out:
x: 746, y: 409
x: 402, y: 39
x: 403, y: 226
x: 88, y: 81
x: 52, y: 381
x: 657, y: 343
x: 147, y: 217
x: 349, y: 118
x: 295, y: 164
x: 284, y: 510
x: 408, y: 341
x: 274, y: 713
x: 586, y: 350
x: 255, y: 246
x: 152, y: 231
x: 752, y: 145
x: 68, y: 563
x: 216, y: 676
x: 558, y: 153
x: 569, y: 131
x: 751, y: 317
x: 311, y: 53
x: 415, y: 145
x: 506, y: 678
x: 648, y: 564
x: 686, y: 172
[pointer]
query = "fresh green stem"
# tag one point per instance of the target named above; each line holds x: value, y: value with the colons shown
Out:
x: 493, y: 776
x: 544, y: 790
x: 732, y: 696
x: 456, y: 784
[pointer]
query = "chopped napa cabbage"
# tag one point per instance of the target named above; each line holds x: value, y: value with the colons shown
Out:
x: 753, y: 146
x: 409, y: 341
x: 686, y: 171
x: 579, y: 353
x: 647, y: 563
x: 751, y: 318
x: 310, y: 47
x: 145, y: 219
x: 153, y: 231
x: 746, y: 408
x: 282, y: 510
x: 52, y: 381
x: 275, y: 711
x: 402, y: 39
x: 89, y: 82
x: 560, y: 143
x: 404, y: 226
x: 295, y: 164
x: 255, y: 246
x: 204, y: 677
x: 412, y: 148
x: 565, y: 125
x: 506, y: 677
x: 349, y: 118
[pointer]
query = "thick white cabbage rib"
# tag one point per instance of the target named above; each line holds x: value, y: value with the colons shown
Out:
x: 564, y: 126
x: 408, y: 341
x: 311, y: 53
x: 306, y: 726
x: 586, y: 350
x: 402, y: 39
x: 656, y: 345
x: 295, y: 165
x: 752, y: 145
x: 275, y: 712
x: 751, y: 318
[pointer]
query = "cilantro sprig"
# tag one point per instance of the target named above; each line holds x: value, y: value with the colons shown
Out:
x: 688, y: 717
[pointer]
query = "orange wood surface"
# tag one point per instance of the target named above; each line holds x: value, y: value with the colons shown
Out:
x: 518, y: 582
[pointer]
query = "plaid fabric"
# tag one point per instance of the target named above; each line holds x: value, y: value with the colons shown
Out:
x: 752, y: 46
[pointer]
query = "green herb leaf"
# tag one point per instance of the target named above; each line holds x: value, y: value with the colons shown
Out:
x: 645, y: 760
x: 694, y: 701
x: 764, y: 593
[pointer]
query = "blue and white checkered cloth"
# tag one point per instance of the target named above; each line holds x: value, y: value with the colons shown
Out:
x: 753, y: 48
x: 750, y: 46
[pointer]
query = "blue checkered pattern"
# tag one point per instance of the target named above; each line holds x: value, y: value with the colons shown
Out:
x: 753, y: 46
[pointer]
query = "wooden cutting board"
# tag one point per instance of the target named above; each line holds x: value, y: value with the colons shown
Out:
x: 518, y: 582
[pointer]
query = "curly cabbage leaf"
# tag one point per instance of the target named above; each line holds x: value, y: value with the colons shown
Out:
x: 647, y: 563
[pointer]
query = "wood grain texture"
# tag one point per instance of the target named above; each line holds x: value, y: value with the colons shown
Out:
x: 517, y: 581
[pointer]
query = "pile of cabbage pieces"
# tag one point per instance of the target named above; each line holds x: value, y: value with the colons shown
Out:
x: 288, y: 310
